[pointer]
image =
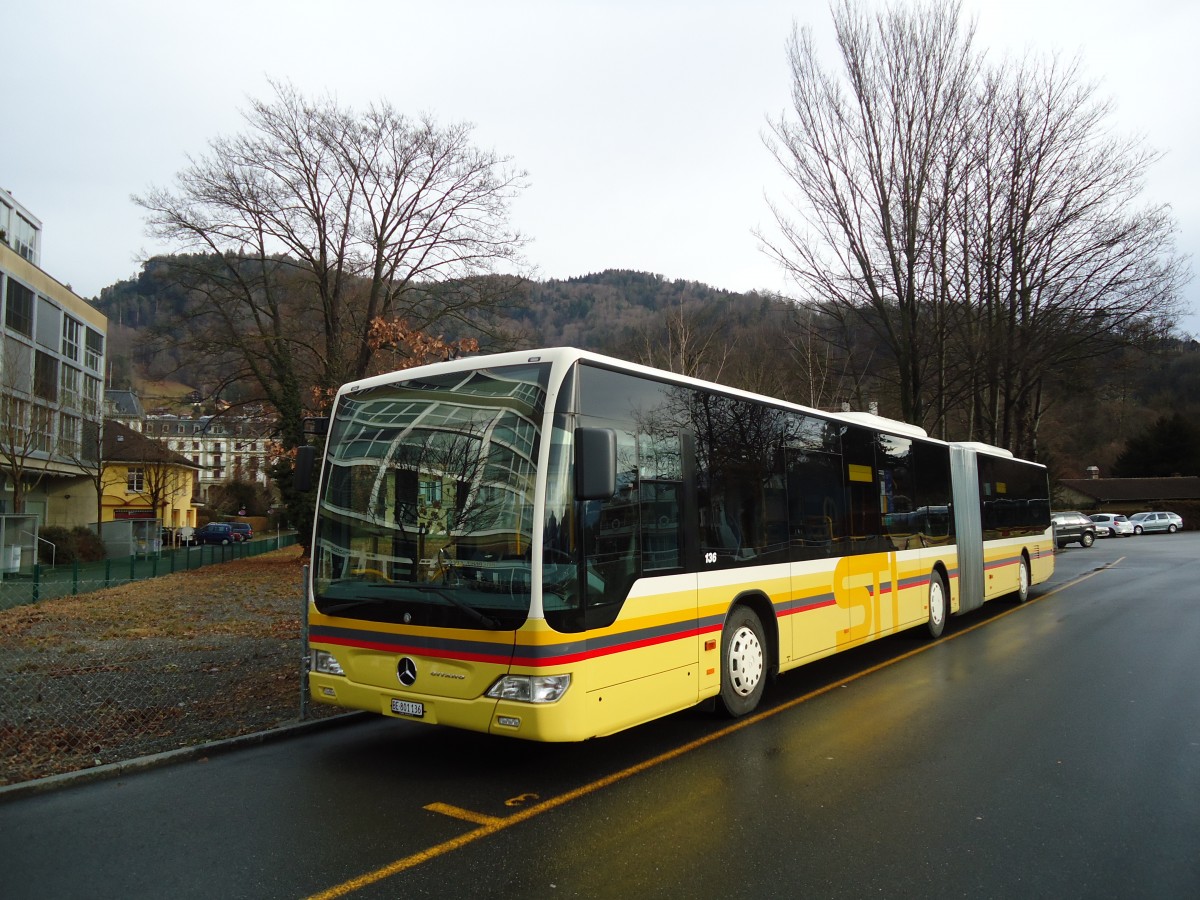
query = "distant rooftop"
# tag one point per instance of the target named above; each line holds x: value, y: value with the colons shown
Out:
x: 124, y: 404
x: 1134, y: 490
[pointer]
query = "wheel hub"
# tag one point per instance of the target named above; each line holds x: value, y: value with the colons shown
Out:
x: 746, y: 661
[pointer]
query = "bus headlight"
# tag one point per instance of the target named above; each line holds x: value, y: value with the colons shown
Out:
x: 326, y: 663
x: 530, y: 688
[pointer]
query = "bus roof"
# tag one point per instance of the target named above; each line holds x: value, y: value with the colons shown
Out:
x: 564, y: 356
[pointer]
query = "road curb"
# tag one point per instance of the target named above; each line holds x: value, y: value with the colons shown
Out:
x: 170, y: 757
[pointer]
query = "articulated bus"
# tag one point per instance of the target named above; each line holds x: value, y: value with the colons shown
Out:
x: 555, y: 545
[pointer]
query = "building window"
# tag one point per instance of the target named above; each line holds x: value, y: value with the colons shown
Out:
x: 18, y: 308
x: 23, y: 236
x: 69, y: 385
x: 43, y: 428
x: 430, y: 492
x: 45, y: 377
x: 48, y: 327
x: 70, y: 338
x: 135, y: 480
x: 94, y: 354
x: 90, y: 450
x: 14, y: 420
x: 68, y: 437
x: 91, y: 396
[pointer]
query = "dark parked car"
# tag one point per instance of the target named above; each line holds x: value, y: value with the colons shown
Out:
x: 214, y: 533
x: 241, y: 531
x: 1073, y: 528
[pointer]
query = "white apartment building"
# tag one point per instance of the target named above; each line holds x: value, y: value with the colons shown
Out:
x: 51, y: 381
x: 226, y: 448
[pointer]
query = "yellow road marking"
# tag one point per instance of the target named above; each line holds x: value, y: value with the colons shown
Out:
x: 490, y: 825
x: 466, y: 815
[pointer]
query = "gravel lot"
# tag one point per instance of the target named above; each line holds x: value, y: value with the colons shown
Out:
x: 151, y: 666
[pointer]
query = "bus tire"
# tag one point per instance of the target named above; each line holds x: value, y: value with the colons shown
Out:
x: 939, y: 605
x: 743, y: 662
x: 1022, y: 592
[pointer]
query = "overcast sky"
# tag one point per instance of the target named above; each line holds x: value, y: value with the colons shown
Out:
x: 639, y: 121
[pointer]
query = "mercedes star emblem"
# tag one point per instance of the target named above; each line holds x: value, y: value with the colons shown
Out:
x: 406, y: 671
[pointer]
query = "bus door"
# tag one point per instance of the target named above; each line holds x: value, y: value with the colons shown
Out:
x: 863, y: 581
x: 816, y: 496
x: 641, y: 614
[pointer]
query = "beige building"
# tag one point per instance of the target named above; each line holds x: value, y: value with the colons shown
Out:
x: 143, y: 479
x: 51, y: 382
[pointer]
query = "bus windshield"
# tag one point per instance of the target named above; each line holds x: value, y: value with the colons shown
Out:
x: 426, y: 512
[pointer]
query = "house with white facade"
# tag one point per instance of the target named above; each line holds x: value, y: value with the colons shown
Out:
x: 223, y: 447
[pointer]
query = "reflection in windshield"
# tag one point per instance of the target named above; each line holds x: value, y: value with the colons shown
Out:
x: 426, y: 516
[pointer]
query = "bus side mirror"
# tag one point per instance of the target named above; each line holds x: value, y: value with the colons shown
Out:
x: 302, y: 474
x: 595, y: 463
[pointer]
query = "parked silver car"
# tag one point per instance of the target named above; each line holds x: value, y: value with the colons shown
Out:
x: 1112, y: 525
x: 1147, y: 522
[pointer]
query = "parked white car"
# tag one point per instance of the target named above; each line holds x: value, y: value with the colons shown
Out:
x: 1148, y: 522
x: 1112, y: 525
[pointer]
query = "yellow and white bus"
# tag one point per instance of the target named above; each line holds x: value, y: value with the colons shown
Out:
x: 555, y: 545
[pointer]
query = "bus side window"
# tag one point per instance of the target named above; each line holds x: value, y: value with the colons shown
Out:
x: 863, y: 488
x: 660, y: 469
x: 611, y: 540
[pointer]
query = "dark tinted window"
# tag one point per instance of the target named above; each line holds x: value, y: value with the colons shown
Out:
x: 1015, y: 498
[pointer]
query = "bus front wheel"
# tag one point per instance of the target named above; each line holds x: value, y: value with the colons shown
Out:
x: 743, y: 662
x: 1022, y: 593
x: 939, y: 605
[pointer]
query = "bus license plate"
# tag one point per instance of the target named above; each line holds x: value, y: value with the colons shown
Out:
x: 408, y: 708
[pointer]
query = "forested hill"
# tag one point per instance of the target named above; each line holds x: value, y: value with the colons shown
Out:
x: 615, y: 311
x: 754, y: 341
x: 612, y: 310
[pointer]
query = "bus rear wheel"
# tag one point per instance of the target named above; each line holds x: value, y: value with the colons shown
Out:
x: 743, y: 662
x: 939, y: 605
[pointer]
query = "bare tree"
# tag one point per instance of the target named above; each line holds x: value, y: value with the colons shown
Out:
x: 985, y: 225
x: 1062, y: 262
x: 89, y: 455
x: 684, y: 343
x: 319, y: 221
x: 868, y: 155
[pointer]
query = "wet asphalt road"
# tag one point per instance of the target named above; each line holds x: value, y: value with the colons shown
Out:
x: 1048, y: 750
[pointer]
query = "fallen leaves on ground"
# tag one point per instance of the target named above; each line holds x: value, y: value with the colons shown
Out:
x: 151, y: 665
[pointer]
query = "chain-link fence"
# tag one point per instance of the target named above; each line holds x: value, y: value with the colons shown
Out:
x: 47, y: 582
x: 105, y: 663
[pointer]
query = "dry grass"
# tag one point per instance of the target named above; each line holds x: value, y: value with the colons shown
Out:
x: 149, y: 666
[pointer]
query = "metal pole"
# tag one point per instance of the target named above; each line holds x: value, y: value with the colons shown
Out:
x: 304, y: 660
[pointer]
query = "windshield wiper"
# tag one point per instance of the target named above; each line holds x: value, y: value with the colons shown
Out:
x: 420, y: 590
x: 471, y: 611
x: 334, y: 608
